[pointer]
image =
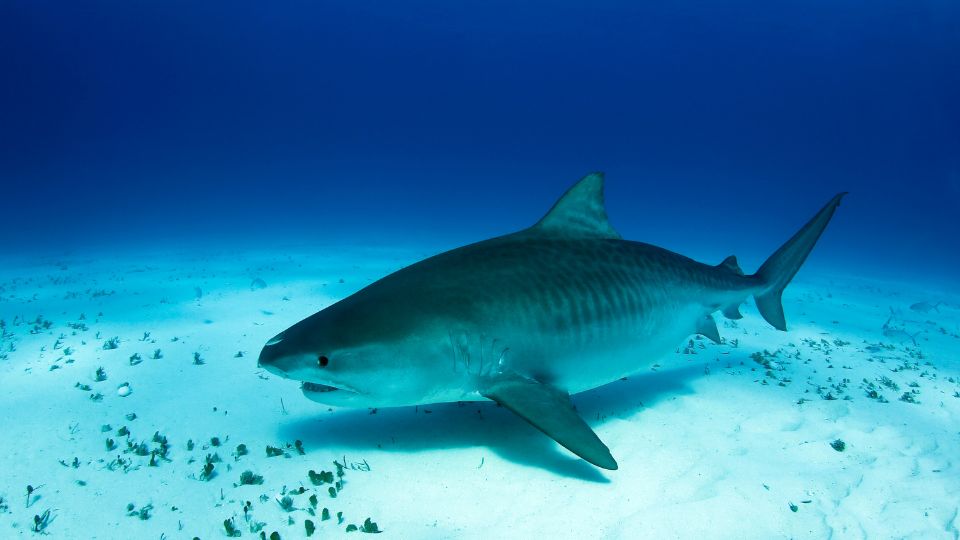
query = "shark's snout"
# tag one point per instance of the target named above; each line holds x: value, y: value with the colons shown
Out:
x: 270, y: 354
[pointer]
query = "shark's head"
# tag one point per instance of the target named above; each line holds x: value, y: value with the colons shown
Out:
x: 372, y: 349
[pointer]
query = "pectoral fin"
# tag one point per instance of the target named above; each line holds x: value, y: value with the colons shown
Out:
x: 707, y: 326
x: 550, y: 411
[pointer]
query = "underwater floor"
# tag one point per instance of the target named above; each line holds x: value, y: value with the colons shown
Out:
x: 841, y: 427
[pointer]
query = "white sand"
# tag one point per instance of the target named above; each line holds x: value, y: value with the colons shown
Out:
x: 706, y: 450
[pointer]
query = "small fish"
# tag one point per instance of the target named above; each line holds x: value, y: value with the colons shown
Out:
x: 926, y: 307
x: 899, y: 334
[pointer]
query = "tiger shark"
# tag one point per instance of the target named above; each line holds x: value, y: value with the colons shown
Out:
x: 528, y: 319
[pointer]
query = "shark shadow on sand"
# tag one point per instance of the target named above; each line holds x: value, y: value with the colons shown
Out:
x: 410, y: 430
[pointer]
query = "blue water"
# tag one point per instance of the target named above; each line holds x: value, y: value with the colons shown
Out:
x: 157, y: 159
x: 721, y: 126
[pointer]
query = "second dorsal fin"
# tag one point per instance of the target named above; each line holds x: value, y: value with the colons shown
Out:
x: 579, y: 213
x: 730, y: 263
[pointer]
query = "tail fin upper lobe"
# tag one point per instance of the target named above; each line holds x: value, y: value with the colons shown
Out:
x: 780, y: 268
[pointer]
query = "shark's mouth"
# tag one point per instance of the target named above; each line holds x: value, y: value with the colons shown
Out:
x: 313, y: 387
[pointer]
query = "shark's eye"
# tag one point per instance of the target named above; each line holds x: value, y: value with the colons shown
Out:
x: 323, y: 361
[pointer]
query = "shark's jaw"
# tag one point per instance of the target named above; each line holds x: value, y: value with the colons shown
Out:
x: 318, y: 388
x: 337, y: 396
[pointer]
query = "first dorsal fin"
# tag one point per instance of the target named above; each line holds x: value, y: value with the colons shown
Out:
x: 580, y: 213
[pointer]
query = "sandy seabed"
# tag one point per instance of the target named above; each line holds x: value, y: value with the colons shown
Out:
x: 835, y: 429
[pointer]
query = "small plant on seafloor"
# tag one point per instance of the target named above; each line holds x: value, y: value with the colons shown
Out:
x: 139, y: 448
x: 208, y: 471
x: 254, y: 525
x: 910, y: 397
x: 367, y: 527
x: 30, y: 491
x: 75, y: 463
x: 100, y: 375
x: 241, y: 451
x: 230, y: 527
x: 144, y: 512
x: 111, y: 343
x: 286, y: 503
x: 370, y: 526
x: 157, y: 354
x: 839, y: 445
x: 248, y: 478
x: 135, y: 359
x: 197, y: 359
x: 164, y: 449
x: 318, y: 479
x: 42, y: 521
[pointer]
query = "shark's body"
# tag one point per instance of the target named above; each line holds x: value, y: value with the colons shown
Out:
x: 575, y: 313
x: 527, y: 319
x: 926, y: 307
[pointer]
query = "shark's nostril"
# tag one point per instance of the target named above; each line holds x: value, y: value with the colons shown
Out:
x: 275, y: 339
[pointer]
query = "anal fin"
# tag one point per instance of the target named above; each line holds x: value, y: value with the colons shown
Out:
x: 732, y: 312
x: 550, y: 410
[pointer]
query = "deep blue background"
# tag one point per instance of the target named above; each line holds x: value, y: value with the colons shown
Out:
x: 722, y: 125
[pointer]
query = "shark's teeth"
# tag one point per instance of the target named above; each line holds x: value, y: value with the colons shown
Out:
x: 312, y: 387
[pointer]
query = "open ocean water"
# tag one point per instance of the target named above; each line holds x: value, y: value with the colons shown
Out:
x: 180, y: 182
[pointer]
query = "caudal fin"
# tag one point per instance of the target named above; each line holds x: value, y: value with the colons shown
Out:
x: 780, y: 268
